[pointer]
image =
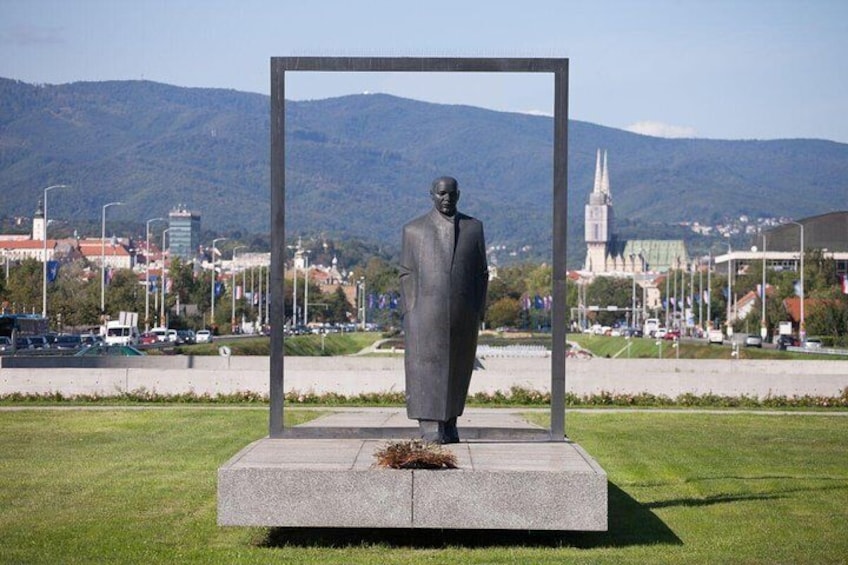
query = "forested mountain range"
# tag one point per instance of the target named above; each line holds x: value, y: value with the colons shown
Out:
x: 361, y: 165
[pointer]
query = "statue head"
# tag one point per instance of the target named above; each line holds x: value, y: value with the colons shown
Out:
x: 445, y: 195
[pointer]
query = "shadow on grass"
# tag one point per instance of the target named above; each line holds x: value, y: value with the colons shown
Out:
x: 630, y: 523
x: 729, y: 498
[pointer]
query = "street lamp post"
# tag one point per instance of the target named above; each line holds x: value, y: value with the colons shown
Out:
x: 103, y: 257
x: 729, y: 290
x: 162, y: 303
x: 802, y: 329
x: 701, y: 293
x: 306, y: 288
x: 267, y: 292
x: 147, y: 275
x: 212, y: 316
x: 294, y: 294
x: 44, y: 252
x: 633, y: 293
x: 763, y: 325
x: 362, y: 300
x: 710, y: 288
x: 233, y: 277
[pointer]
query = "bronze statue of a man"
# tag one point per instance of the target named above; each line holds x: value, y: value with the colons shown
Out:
x: 443, y: 282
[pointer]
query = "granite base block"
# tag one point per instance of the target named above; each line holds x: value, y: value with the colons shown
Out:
x: 332, y: 483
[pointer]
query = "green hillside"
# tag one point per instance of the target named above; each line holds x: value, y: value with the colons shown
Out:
x: 361, y: 165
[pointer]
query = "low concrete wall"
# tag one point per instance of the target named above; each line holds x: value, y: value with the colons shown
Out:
x: 355, y: 375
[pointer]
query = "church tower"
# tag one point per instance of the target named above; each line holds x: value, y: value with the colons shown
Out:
x: 598, y: 218
x: 38, y: 231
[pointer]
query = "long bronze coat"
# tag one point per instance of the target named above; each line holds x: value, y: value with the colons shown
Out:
x: 443, y: 282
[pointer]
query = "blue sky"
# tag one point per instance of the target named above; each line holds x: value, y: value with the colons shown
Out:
x: 737, y: 69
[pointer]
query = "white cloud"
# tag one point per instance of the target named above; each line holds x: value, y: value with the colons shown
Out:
x: 659, y: 129
x: 536, y: 113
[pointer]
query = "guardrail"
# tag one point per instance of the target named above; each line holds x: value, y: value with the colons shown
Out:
x: 822, y: 350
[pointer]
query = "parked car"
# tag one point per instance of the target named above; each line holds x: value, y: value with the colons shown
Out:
x: 147, y: 338
x: 39, y: 342
x: 186, y: 337
x: 671, y: 335
x: 785, y: 341
x: 813, y: 343
x: 90, y: 339
x: 68, y: 341
x: 203, y: 336
x: 24, y: 343
x: 660, y: 333
x: 715, y: 336
x: 160, y: 333
x: 5, y: 343
x: 752, y: 340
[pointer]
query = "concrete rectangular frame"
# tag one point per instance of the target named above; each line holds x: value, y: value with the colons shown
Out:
x: 556, y: 66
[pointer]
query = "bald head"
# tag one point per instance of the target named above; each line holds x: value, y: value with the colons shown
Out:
x: 445, y: 195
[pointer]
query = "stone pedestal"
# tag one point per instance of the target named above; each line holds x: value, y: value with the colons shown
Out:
x: 333, y: 483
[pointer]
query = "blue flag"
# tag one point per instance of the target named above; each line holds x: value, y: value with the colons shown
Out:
x: 52, y: 270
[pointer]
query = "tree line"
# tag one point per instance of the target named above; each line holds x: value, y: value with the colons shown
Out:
x: 519, y: 296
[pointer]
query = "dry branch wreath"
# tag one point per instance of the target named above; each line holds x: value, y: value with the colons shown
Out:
x: 415, y: 454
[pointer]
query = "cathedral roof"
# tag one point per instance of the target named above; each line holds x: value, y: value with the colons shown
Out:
x: 659, y: 254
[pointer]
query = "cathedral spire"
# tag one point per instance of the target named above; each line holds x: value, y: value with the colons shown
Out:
x: 597, y: 187
x: 605, y: 184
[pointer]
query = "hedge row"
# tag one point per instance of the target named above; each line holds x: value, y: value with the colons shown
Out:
x: 515, y: 397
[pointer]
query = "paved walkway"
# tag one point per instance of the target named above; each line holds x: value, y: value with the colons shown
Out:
x: 396, y: 418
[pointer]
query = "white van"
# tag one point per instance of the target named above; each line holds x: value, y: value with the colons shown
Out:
x: 118, y: 333
x: 650, y: 327
x: 715, y: 336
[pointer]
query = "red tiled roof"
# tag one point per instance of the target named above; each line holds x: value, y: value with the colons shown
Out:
x: 792, y: 305
x: 27, y: 244
x: 93, y: 249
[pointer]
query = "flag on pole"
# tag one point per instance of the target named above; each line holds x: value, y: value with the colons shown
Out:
x: 52, y: 270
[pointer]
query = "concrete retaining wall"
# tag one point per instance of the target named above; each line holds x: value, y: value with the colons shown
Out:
x: 355, y: 375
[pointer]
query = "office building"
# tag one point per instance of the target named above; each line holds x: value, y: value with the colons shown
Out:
x: 184, y: 234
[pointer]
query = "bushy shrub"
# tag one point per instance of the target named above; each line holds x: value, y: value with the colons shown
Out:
x: 516, y: 396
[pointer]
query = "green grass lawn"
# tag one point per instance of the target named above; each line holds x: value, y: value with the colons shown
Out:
x: 302, y: 345
x: 646, y: 348
x: 138, y: 486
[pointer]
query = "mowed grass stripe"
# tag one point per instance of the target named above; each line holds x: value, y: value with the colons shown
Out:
x: 134, y: 486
